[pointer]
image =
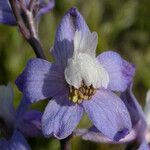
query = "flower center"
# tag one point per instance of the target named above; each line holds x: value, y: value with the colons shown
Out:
x: 83, y: 93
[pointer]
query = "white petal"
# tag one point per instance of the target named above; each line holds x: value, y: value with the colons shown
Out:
x: 92, y: 72
x: 85, y: 43
x: 77, y: 40
x: 84, y: 67
x: 72, y: 74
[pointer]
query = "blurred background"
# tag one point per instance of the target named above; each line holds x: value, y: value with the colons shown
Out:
x: 122, y: 26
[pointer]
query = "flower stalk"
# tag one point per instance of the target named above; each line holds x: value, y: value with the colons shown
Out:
x: 65, y: 144
x: 26, y: 23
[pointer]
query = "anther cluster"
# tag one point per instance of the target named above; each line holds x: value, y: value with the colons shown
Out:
x: 83, y: 93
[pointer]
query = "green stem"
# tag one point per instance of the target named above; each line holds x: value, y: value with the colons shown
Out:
x: 65, y: 144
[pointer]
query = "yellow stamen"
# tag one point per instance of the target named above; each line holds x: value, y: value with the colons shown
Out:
x: 75, y: 98
x: 83, y: 93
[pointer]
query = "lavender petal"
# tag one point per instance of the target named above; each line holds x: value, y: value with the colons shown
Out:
x: 4, y: 144
x: 63, y: 46
x: 61, y: 117
x: 18, y: 142
x: 137, y: 115
x: 30, y: 125
x: 94, y: 135
x: 109, y: 114
x: 120, y: 71
x: 40, y: 80
x: 144, y: 146
x: 6, y: 14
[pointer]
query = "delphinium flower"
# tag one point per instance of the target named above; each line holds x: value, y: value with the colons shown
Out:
x: 17, y: 124
x: 79, y: 82
x: 139, y: 125
x: 40, y: 7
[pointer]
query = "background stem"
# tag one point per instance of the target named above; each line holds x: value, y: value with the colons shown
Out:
x: 27, y: 26
x: 65, y: 144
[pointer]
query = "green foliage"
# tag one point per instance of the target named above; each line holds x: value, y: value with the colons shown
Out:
x: 122, y: 25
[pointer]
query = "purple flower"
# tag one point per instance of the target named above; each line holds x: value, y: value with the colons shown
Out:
x: 15, y: 124
x: 16, y: 142
x: 6, y: 15
x: 144, y: 146
x: 40, y: 7
x: 79, y: 82
x: 28, y: 122
x: 45, y: 7
x: 138, y: 125
x: 136, y: 113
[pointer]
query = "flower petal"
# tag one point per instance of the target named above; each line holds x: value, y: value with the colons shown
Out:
x: 144, y: 146
x: 120, y: 71
x: 63, y: 46
x: 85, y: 42
x: 109, y: 114
x: 7, y: 111
x: 84, y: 67
x: 40, y: 80
x: 6, y: 15
x: 4, y: 144
x: 18, y: 142
x: 135, y: 111
x: 30, y: 125
x: 61, y: 117
x: 94, y: 135
x: 21, y: 110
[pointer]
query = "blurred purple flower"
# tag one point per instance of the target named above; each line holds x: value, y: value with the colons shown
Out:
x: 16, y: 142
x: 6, y: 15
x: 144, y: 146
x: 41, y: 7
x: 45, y: 7
x: 78, y: 82
x: 139, y: 125
x: 15, y: 124
x: 30, y: 124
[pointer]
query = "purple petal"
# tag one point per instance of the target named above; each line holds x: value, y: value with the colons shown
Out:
x: 30, y: 125
x: 40, y: 80
x: 4, y: 144
x: 63, y: 46
x: 137, y: 117
x: 93, y: 134
x: 7, y: 110
x: 109, y: 114
x: 61, y: 117
x: 135, y: 111
x: 21, y: 110
x: 18, y: 142
x: 120, y: 71
x: 144, y: 146
x: 6, y: 15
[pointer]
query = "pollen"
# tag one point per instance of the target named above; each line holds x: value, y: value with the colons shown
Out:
x: 83, y: 93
